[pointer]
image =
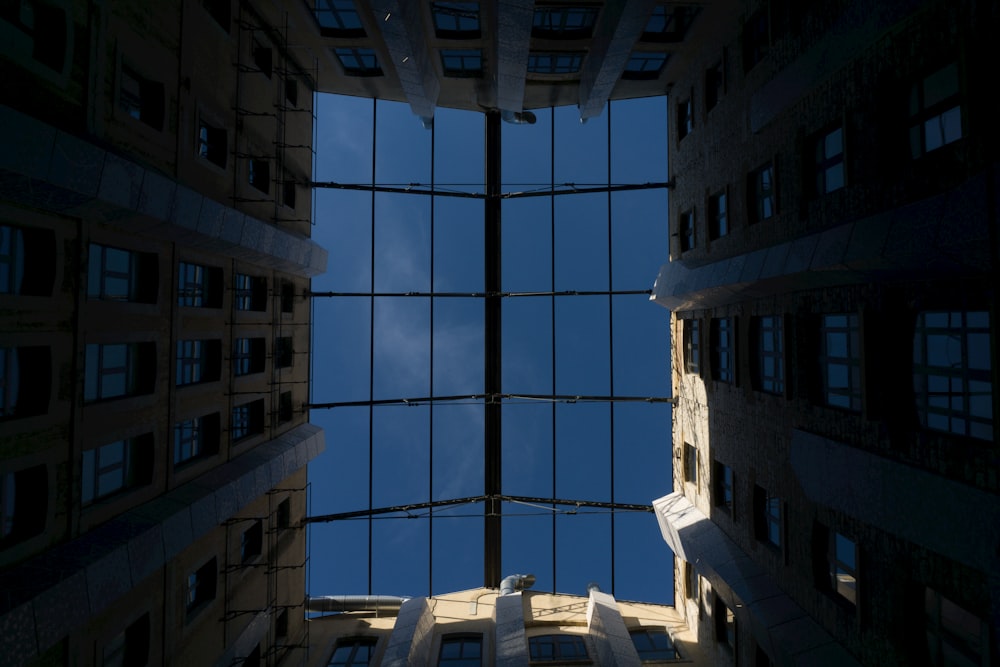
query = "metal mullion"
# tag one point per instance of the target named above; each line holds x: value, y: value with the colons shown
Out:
x: 552, y: 311
x: 430, y: 409
x: 371, y: 350
x: 611, y: 360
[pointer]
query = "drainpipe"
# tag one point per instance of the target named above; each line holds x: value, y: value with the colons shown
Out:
x: 344, y: 603
x: 516, y: 582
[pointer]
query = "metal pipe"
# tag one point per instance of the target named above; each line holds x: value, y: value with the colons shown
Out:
x: 345, y: 603
x: 516, y: 582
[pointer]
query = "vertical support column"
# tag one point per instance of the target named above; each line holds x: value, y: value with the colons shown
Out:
x: 492, y: 338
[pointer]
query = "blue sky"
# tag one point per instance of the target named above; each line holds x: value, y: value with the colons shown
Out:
x: 601, y: 347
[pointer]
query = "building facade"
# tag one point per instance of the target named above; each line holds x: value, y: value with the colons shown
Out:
x: 832, y: 279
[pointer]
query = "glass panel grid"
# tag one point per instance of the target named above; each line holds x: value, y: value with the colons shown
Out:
x: 840, y: 360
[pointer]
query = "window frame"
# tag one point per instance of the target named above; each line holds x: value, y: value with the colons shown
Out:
x: 722, y: 349
x: 651, y: 652
x: 259, y: 174
x: 201, y: 589
x: 140, y: 98
x: 718, y: 215
x: 354, y: 644
x: 564, y: 22
x: 358, y: 61
x: 345, y: 19
x: 470, y: 63
x: 851, y: 388
x: 195, y: 439
x: 198, y: 285
x: 213, y: 143
x: 715, y: 84
x: 825, y: 162
x: 249, y: 293
x: 689, y: 461
x: 938, y: 636
x: 555, y: 62
x: 133, y: 371
x: 723, y: 488
x: 762, y: 193
x: 770, y: 346
x: 725, y: 623
x: 462, y: 641
x: 686, y: 231
x: 685, y: 117
x: 466, y: 20
x: 670, y: 23
x: 691, y: 335
x: 247, y: 420
x: 249, y: 356
x: 644, y: 65
x: 921, y: 114
x: 556, y: 641
x: 132, y: 468
x: 837, y: 566
x: 769, y: 518
x: 24, y: 500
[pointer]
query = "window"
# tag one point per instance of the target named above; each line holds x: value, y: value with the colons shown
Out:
x: 553, y: 648
x: 287, y: 296
x: 687, y: 230
x: 722, y: 486
x: 718, y: 216
x: 25, y: 381
x: 281, y: 625
x: 253, y: 659
x: 199, y: 286
x: 44, y: 27
x: 251, y: 293
x: 768, y: 525
x: 722, y: 338
x: 935, y: 111
x: 461, y: 651
x: 196, y: 438
x: 685, y: 118
x: 285, y: 407
x: 23, y: 504
x: 251, y: 541
x: 114, y: 274
x: 840, y: 360
x: 213, y: 144
x: 141, y: 98
x: 955, y: 636
x: 117, y: 370
x: 770, y: 347
x: 653, y: 645
x: 669, y: 24
x: 842, y: 567
x: 198, y: 361
x: 725, y: 624
x: 248, y: 420
x: 644, y: 65
x: 27, y: 261
x: 456, y: 20
x: 756, y: 40
x: 828, y: 161
x: 284, y: 354
x: 358, y: 61
x: 292, y: 92
x: 248, y: 356
x: 462, y: 62
x: 563, y: 22
x: 952, y: 379
x: 262, y: 56
x: 690, y: 457
x: 130, y: 647
x: 692, y: 582
x: 762, y: 194
x: 692, y: 346
x: 116, y: 467
x: 288, y: 191
x: 283, y: 515
x: 339, y: 18
x: 714, y: 85
x: 559, y: 62
x: 259, y: 174
x: 219, y: 10
x: 353, y: 652
x: 200, y: 588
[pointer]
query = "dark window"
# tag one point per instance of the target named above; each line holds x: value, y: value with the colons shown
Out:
x: 199, y: 286
x: 935, y: 111
x: 644, y: 65
x: 259, y: 174
x: 554, y: 648
x: 692, y: 582
x: 354, y: 652
x: 196, y: 438
x: 690, y: 457
x: 456, y: 20
x: 768, y: 522
x: 563, y: 22
x: 722, y: 486
x: 250, y: 293
x: 685, y: 118
x: 559, y: 62
x: 840, y: 360
x: 248, y: 420
x: 687, y: 230
x: 116, y: 467
x: 198, y: 361
x: 339, y: 18
x: 114, y: 274
x: 281, y: 625
x: 248, y: 356
x: 653, y: 644
x: 760, y: 658
x: 200, y: 588
x: 725, y: 624
x: 23, y: 504
x: 130, y: 647
x: 220, y: 11
x: 253, y: 659
x: 714, y: 85
x: 762, y: 194
x: 116, y: 370
x: 669, y: 24
x: 718, y: 215
x: 955, y: 636
x: 722, y: 339
x: 285, y: 409
x: 262, y: 57
x: 692, y: 346
x: 462, y: 62
x: 756, y: 39
x: 284, y: 354
x: 770, y: 348
x: 288, y: 191
x: 25, y: 381
x: 461, y: 651
x: 287, y: 296
x: 212, y: 143
x: 952, y: 372
x: 283, y: 515
x: 141, y: 98
x: 842, y: 567
x: 292, y: 92
x: 358, y: 61
x: 828, y: 161
x: 27, y: 261
x: 251, y: 541
x: 44, y: 26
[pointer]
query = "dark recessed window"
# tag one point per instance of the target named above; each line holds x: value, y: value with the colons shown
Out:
x: 25, y: 381
x: 283, y: 515
x: 840, y: 360
x: 262, y: 56
x: 690, y: 460
x: 762, y: 194
x: 198, y: 361
x: 199, y: 286
x: 200, y: 588
x: 692, y: 582
x: 685, y: 118
x: 247, y: 420
x: 353, y: 652
x: 935, y: 111
x: 456, y: 20
x: 252, y: 541
x: 281, y: 625
x: 461, y: 651
x: 253, y: 659
x: 284, y: 353
x: 196, y: 438
x: 248, y: 356
x: 27, y: 261
x: 23, y: 504
x: 130, y: 646
x: 116, y: 467
x: 842, y: 567
x: 292, y: 92
x: 118, y: 370
x: 141, y: 98
x: 669, y: 24
x: 259, y: 174
x: 725, y: 624
x: 287, y: 296
x: 718, y: 215
x: 250, y: 293
x: 339, y: 18
x: 756, y: 39
x: 652, y: 644
x: 44, y: 27
x: 557, y: 648
x: 358, y: 61
x: 828, y: 161
x: 769, y: 335
x: 952, y: 372
x: 644, y: 65
x: 563, y: 22
x: 115, y: 274
x: 768, y: 517
x: 560, y: 62
x: 219, y: 10
x: 722, y: 486
x: 714, y: 85
x: 692, y: 346
x: 285, y: 409
x: 462, y: 62
x: 686, y: 230
x: 212, y: 143
x: 288, y: 191
x: 955, y: 636
x: 722, y: 341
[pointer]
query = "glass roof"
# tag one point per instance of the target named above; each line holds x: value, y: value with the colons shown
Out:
x: 575, y: 321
